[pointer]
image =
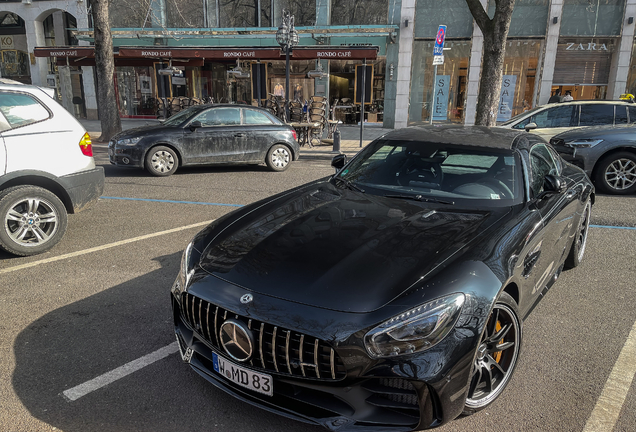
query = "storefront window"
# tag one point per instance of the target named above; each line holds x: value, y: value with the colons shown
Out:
x: 356, y: 12
x: 446, y: 101
x: 592, y: 17
x: 583, y: 66
x: 429, y: 15
x: 135, y: 90
x: 301, y: 87
x: 342, y: 75
x: 519, y: 74
x: 184, y: 13
x: 529, y: 17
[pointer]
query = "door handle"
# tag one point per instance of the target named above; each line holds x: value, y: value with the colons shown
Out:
x: 570, y: 193
x: 240, y: 135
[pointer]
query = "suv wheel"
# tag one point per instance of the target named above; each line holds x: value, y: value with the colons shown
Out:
x: 33, y: 220
x: 616, y: 173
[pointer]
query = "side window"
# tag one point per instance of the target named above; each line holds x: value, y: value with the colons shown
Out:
x: 558, y: 116
x: 219, y: 117
x: 632, y: 114
x: 21, y: 109
x: 620, y: 116
x: 251, y: 117
x: 541, y: 164
x: 597, y: 115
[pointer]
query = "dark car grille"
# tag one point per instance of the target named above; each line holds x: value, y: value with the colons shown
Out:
x: 277, y: 349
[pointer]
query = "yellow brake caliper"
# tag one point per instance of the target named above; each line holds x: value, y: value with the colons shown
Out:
x: 497, y: 355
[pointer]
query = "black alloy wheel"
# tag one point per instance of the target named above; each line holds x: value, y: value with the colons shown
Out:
x: 162, y: 161
x: 616, y: 173
x: 496, y: 356
x: 33, y: 220
x: 575, y: 257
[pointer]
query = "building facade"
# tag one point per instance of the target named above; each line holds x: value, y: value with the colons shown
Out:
x: 584, y: 46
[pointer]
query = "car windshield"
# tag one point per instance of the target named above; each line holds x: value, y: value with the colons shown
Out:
x: 516, y: 118
x: 436, y: 172
x: 181, y: 116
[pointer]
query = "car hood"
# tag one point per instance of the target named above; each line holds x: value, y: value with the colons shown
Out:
x: 152, y: 129
x: 600, y: 132
x: 340, y: 249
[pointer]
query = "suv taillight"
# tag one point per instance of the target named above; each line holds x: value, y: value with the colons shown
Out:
x: 86, y: 145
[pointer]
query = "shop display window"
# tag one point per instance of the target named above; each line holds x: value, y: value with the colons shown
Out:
x: 519, y: 77
x: 136, y: 91
x: 342, y: 75
x: 445, y: 103
x: 354, y: 12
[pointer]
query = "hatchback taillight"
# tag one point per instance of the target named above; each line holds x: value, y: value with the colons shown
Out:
x: 86, y: 145
x: 294, y: 134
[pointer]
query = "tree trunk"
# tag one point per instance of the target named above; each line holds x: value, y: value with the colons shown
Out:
x: 495, y: 33
x: 105, y: 69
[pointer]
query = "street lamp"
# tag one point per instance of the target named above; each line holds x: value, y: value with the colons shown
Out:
x: 287, y: 38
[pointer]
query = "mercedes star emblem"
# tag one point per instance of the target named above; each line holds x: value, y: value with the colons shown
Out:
x: 246, y: 298
x: 237, y: 340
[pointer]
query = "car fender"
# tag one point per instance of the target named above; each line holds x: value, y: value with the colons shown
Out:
x: 37, y: 178
x: 176, y: 148
x: 628, y: 146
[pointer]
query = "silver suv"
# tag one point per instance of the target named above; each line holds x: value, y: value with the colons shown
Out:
x: 552, y: 119
x: 46, y: 169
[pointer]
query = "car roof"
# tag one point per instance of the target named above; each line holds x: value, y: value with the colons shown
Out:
x: 478, y: 136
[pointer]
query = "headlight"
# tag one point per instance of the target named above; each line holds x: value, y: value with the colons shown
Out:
x: 185, y: 273
x: 128, y: 141
x: 583, y: 143
x: 416, y: 330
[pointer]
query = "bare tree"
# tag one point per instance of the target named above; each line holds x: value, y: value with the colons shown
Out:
x: 495, y: 32
x: 105, y: 69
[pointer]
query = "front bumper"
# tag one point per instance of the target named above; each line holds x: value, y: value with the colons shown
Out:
x: 341, y: 396
x: 126, y: 156
x: 83, y: 188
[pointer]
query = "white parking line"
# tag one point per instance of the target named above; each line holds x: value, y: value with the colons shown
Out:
x: 609, y: 404
x: 102, y: 247
x: 77, y: 392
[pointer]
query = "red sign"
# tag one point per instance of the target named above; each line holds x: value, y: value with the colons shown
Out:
x: 75, y: 51
x: 204, y: 53
x: 334, y: 53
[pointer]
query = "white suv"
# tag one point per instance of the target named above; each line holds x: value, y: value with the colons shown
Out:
x: 46, y: 169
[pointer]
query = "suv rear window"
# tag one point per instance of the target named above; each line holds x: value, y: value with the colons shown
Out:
x: 597, y: 115
x: 21, y: 109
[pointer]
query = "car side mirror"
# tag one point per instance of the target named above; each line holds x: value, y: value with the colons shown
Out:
x: 530, y: 126
x: 554, y: 184
x: 195, y: 125
x: 339, y: 161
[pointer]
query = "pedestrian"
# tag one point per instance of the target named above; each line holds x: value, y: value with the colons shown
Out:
x: 568, y: 96
x: 556, y: 97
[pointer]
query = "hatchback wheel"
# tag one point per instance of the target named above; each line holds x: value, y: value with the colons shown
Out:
x: 278, y: 158
x: 496, y: 355
x: 577, y: 251
x: 616, y: 173
x: 162, y: 161
x: 33, y: 220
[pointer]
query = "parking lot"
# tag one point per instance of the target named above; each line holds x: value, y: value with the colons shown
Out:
x: 93, y: 316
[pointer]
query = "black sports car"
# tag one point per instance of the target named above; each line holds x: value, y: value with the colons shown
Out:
x: 390, y: 295
x: 207, y: 135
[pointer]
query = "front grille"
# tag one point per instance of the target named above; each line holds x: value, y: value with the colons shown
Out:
x: 277, y: 349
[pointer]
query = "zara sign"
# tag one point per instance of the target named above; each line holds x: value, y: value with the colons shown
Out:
x: 590, y: 46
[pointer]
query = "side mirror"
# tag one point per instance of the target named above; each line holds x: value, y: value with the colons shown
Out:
x: 195, y: 125
x: 339, y: 161
x: 530, y: 126
x: 554, y: 184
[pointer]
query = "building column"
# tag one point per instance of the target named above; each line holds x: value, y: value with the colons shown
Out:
x: 550, y: 51
x: 622, y: 59
x: 474, y: 72
x: 403, y: 75
x: 35, y: 37
x: 64, y: 72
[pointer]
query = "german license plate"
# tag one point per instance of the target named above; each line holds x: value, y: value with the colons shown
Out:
x: 255, y: 381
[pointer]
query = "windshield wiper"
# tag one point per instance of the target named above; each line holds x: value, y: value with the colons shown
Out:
x: 420, y: 198
x: 350, y: 185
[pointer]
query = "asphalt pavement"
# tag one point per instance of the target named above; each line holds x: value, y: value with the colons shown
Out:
x: 94, y: 313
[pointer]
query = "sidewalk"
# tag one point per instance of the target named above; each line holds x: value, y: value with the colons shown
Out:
x: 349, y: 136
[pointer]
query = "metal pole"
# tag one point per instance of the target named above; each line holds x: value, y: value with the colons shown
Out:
x: 287, y: 84
x: 364, y: 88
x: 258, y: 82
x: 433, y: 98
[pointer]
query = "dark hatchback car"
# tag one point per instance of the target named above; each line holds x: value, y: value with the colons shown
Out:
x: 607, y: 154
x: 207, y: 135
x: 390, y: 295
